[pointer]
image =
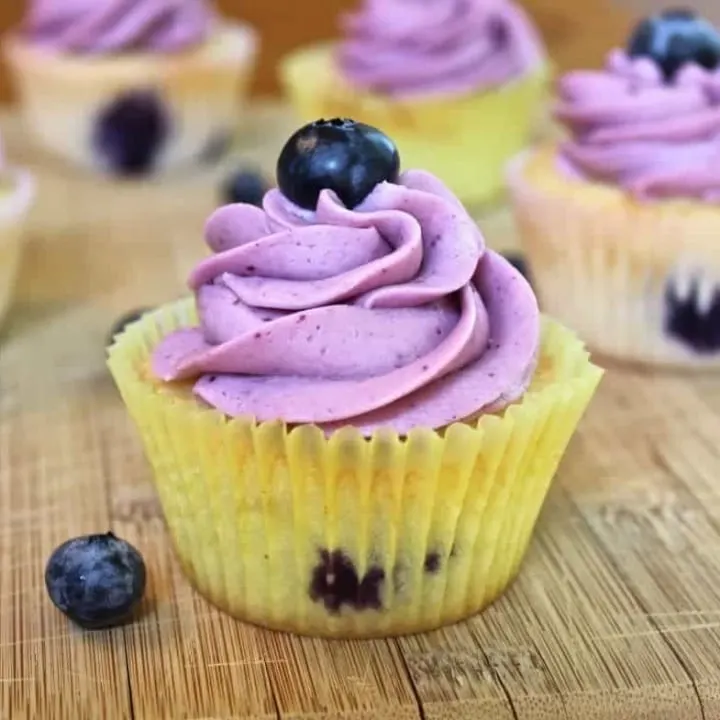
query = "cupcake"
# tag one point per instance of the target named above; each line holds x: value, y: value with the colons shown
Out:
x: 354, y: 425
x: 620, y: 220
x: 130, y: 86
x: 17, y: 192
x: 457, y: 83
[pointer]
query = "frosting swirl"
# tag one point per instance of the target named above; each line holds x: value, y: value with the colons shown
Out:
x: 392, y: 313
x: 404, y: 47
x: 111, y: 26
x: 630, y: 127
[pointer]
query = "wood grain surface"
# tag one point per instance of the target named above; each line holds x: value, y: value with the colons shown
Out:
x: 614, y: 615
x: 577, y: 33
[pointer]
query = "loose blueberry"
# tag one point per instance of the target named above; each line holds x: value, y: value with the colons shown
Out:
x: 96, y: 580
x: 345, y: 156
x: 130, y: 132
x: 123, y: 321
x: 674, y: 38
x: 245, y: 186
x: 692, y: 321
x: 519, y: 262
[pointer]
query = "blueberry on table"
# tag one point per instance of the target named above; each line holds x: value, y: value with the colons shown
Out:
x: 123, y: 321
x: 518, y: 261
x: 130, y: 132
x: 342, y: 155
x: 674, y: 38
x: 96, y: 580
x: 245, y: 186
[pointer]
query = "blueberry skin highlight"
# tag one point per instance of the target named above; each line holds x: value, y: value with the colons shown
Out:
x: 341, y: 155
x: 675, y: 38
x: 96, y: 580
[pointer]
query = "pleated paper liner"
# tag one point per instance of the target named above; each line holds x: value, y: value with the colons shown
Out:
x: 617, y: 271
x: 465, y: 140
x: 63, y: 96
x: 341, y: 535
x: 17, y: 193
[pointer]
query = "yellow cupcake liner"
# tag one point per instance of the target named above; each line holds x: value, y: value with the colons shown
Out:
x: 466, y: 139
x: 15, y: 203
x: 340, y: 535
x: 617, y: 271
x: 202, y: 89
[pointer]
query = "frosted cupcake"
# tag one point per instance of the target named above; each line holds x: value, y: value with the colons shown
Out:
x: 621, y: 220
x: 457, y: 83
x: 354, y: 426
x: 17, y: 192
x: 130, y: 86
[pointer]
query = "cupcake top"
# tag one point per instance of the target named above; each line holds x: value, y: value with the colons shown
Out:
x: 115, y: 26
x: 354, y: 296
x: 650, y: 120
x: 406, y: 47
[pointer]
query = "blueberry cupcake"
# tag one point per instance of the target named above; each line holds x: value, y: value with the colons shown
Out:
x: 130, y: 86
x: 354, y: 425
x: 457, y: 83
x: 17, y: 192
x: 620, y: 220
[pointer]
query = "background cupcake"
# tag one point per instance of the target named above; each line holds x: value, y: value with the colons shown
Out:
x: 621, y: 221
x: 354, y: 428
x: 457, y: 83
x: 130, y: 86
x: 17, y: 192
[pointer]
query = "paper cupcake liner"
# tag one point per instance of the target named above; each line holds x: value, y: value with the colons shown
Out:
x: 63, y: 98
x: 345, y: 536
x: 14, y: 206
x: 465, y: 140
x: 636, y: 281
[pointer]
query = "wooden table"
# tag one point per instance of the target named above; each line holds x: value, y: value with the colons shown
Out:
x: 615, y: 614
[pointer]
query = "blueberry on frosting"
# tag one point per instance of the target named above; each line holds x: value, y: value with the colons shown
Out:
x: 675, y: 38
x: 341, y: 155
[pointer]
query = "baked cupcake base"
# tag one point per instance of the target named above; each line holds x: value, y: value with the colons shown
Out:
x: 638, y: 281
x: 465, y: 140
x: 135, y: 113
x: 17, y: 191
x: 343, y: 536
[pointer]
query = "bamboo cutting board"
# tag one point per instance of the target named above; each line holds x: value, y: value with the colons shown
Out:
x: 616, y: 613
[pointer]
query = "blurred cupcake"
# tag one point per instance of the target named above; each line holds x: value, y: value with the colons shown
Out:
x: 130, y: 86
x: 354, y: 427
x: 457, y: 83
x: 17, y: 192
x: 620, y: 222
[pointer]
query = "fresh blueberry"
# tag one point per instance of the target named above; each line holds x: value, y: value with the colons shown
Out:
x: 345, y: 156
x: 245, y: 186
x: 131, y: 131
x: 692, y: 318
x: 674, y: 38
x: 519, y: 262
x: 123, y: 321
x: 96, y: 580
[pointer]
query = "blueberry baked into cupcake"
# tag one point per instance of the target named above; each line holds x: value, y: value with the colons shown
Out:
x: 130, y: 86
x: 620, y: 221
x: 354, y: 425
x: 459, y: 84
x: 17, y: 193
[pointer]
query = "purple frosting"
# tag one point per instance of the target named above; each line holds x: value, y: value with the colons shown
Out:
x: 631, y: 128
x: 111, y: 26
x: 390, y: 314
x: 407, y: 47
